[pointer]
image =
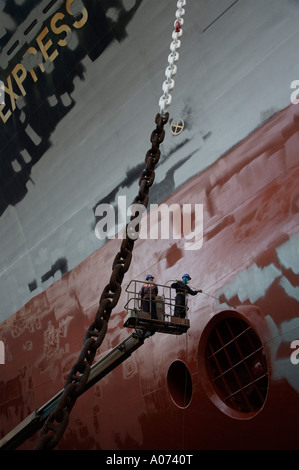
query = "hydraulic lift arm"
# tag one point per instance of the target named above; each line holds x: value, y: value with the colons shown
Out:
x: 102, y: 367
x: 144, y: 327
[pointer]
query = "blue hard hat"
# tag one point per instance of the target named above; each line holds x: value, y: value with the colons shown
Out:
x: 149, y: 276
x: 186, y: 275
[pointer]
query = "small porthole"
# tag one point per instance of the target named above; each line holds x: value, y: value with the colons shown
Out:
x: 179, y: 384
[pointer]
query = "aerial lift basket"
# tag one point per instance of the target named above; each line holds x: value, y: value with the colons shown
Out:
x: 166, y: 322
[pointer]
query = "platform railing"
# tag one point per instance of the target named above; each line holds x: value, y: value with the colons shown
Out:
x: 164, y: 301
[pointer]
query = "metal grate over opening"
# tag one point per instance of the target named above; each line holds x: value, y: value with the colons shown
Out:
x: 237, y: 365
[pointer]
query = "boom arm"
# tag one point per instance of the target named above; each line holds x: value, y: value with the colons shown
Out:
x: 102, y: 367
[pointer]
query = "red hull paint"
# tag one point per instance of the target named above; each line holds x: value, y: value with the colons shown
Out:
x: 251, y: 204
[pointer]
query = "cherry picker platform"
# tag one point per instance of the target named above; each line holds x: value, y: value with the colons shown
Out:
x: 158, y: 316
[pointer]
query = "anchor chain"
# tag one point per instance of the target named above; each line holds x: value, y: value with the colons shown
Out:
x: 171, y: 70
x: 55, y: 425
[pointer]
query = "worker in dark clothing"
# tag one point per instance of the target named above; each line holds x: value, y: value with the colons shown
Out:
x: 148, y: 294
x: 182, y: 289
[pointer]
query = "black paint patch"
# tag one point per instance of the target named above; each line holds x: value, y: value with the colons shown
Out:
x: 60, y: 265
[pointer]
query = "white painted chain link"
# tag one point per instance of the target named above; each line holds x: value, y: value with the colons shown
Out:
x: 171, y: 70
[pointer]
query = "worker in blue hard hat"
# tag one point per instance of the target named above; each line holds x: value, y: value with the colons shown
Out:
x: 182, y: 289
x: 148, y: 294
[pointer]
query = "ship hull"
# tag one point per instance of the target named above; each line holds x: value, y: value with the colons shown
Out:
x: 74, y: 132
x: 137, y: 406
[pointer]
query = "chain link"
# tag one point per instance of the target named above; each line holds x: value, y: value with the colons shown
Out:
x: 171, y: 70
x: 55, y: 425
